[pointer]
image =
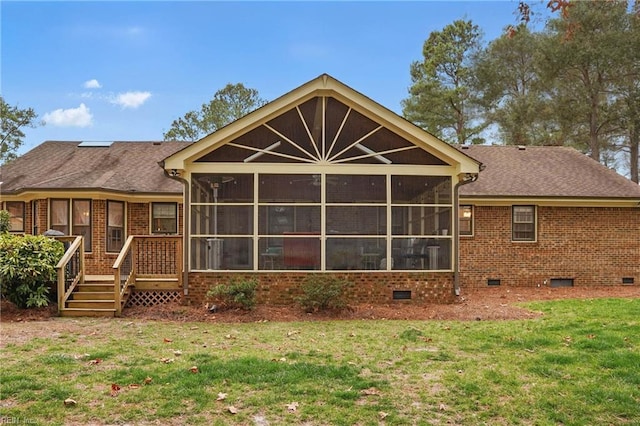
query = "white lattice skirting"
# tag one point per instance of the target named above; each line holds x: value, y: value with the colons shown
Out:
x: 153, y: 298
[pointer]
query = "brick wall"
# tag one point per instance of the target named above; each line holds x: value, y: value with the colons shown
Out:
x: 594, y: 246
x: 138, y: 219
x: 98, y: 261
x: 282, y: 288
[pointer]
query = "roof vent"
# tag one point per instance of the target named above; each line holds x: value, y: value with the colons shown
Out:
x: 464, y: 146
x: 521, y: 147
x: 157, y: 143
x: 95, y: 144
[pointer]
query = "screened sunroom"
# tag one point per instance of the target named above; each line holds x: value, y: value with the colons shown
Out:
x: 322, y: 179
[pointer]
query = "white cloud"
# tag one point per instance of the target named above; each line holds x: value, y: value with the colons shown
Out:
x: 72, y: 117
x: 92, y: 84
x: 131, y: 99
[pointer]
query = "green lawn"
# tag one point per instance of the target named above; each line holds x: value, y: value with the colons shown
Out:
x: 579, y: 364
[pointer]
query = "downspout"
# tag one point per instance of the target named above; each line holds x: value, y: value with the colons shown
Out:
x: 186, y: 218
x: 468, y: 178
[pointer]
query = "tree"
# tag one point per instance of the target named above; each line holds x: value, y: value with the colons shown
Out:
x: 629, y: 94
x: 513, y: 95
x: 583, y: 57
x: 13, y: 119
x: 228, y: 104
x: 441, y: 98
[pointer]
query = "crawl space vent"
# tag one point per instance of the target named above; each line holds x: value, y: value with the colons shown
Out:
x: 561, y: 282
x: 401, y: 294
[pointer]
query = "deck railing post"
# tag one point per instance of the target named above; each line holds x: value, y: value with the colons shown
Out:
x: 61, y: 289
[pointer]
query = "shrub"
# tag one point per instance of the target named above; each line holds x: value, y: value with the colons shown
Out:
x: 27, y: 268
x: 5, y: 222
x: 321, y: 292
x: 239, y: 293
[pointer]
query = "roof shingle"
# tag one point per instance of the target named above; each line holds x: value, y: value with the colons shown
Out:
x: 544, y: 171
x: 121, y: 167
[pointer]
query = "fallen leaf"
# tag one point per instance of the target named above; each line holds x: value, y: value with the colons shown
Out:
x: 195, y: 327
x: 177, y: 352
x: 81, y: 356
x: 167, y: 360
x: 221, y: 396
x: 382, y: 415
x: 70, y: 402
x: 442, y: 407
x: 291, y: 333
x: 194, y: 369
x: 115, y: 389
x: 292, y: 406
x: 134, y: 386
x: 232, y: 409
x: 591, y: 336
x: 370, y: 391
x: 147, y: 381
x: 167, y: 340
x: 95, y: 361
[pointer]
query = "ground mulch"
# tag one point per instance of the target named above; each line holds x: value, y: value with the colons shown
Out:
x: 499, y: 303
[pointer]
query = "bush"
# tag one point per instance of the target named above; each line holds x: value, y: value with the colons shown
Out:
x: 239, y: 293
x: 5, y: 222
x: 27, y: 268
x: 321, y: 292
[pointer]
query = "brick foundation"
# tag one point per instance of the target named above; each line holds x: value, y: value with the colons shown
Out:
x: 283, y: 288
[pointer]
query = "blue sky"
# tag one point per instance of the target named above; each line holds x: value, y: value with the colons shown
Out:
x: 105, y: 71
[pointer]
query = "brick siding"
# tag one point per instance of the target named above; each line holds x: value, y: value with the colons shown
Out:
x: 593, y: 246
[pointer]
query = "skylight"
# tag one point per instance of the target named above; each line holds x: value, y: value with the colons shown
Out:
x: 95, y: 144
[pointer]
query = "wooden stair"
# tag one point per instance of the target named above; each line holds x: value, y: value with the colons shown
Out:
x: 93, y: 298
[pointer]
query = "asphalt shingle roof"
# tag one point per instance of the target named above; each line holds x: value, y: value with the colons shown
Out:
x: 121, y: 167
x: 132, y: 167
x: 544, y: 171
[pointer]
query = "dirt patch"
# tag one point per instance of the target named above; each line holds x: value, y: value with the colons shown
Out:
x: 479, y: 304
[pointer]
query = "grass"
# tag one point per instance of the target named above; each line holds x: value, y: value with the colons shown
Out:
x: 579, y: 364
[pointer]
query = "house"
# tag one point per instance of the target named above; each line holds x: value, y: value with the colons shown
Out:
x: 547, y: 216
x: 324, y: 180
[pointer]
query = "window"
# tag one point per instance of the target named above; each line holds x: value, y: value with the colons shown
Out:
x: 81, y: 221
x: 16, y: 215
x: 164, y: 218
x: 115, y: 226
x: 524, y: 223
x: 465, y: 220
x: 59, y: 216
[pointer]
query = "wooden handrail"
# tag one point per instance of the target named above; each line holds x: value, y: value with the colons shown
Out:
x: 76, y: 248
x: 69, y: 253
x: 123, y: 252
